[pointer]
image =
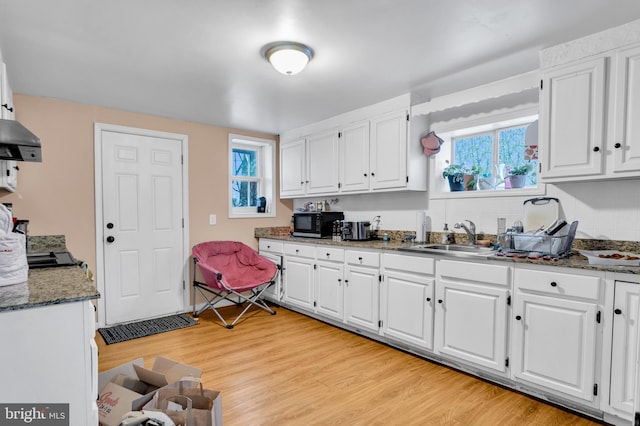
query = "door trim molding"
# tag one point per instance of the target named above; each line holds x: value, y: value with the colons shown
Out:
x: 186, y: 249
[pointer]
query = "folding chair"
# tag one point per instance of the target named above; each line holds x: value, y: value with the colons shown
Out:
x: 234, y: 272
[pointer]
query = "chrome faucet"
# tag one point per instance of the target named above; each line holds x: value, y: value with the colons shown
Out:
x: 471, y: 230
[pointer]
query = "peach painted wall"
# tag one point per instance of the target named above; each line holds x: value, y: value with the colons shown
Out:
x: 57, y: 195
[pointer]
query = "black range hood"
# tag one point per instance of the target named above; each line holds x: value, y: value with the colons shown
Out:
x: 18, y: 143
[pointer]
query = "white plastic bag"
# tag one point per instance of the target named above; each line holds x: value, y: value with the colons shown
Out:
x: 14, y: 268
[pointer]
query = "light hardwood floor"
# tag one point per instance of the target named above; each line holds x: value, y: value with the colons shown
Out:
x: 288, y: 369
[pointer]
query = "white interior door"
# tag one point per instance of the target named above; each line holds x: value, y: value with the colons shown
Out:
x: 142, y: 225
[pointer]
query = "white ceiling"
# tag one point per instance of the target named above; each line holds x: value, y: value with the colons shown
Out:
x: 200, y: 60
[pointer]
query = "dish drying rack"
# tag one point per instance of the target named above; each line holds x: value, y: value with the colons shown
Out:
x: 538, y: 245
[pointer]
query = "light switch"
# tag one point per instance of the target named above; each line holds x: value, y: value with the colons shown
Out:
x: 212, y: 219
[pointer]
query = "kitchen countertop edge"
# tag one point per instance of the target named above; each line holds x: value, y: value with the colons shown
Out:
x: 576, y: 260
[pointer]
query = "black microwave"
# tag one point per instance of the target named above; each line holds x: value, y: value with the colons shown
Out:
x: 314, y: 224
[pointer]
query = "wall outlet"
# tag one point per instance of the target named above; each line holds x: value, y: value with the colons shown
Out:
x: 212, y: 219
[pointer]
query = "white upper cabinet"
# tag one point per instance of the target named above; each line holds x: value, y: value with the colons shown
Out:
x: 388, y: 154
x: 354, y: 157
x: 8, y: 168
x: 626, y: 125
x: 374, y: 148
x: 572, y: 123
x: 322, y: 163
x: 6, y: 97
x: 590, y: 107
x: 293, y: 176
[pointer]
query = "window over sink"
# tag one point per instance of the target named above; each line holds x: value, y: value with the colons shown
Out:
x: 491, y: 154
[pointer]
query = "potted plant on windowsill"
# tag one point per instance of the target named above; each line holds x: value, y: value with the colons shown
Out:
x: 518, y: 175
x: 471, y: 178
x: 455, y: 174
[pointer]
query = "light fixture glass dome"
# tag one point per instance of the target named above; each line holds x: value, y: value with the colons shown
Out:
x: 288, y: 57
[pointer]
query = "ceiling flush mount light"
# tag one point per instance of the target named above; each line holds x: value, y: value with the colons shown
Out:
x: 288, y: 57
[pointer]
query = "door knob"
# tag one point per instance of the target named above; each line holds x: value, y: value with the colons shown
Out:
x: 110, y: 239
x: 617, y: 145
x: 617, y: 311
x: 518, y: 317
x: 596, y: 148
x: 109, y: 225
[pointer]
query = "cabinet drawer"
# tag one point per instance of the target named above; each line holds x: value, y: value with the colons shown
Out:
x: 271, y: 245
x: 406, y: 263
x: 365, y: 258
x: 469, y: 271
x: 330, y: 253
x: 300, y: 250
x: 557, y: 283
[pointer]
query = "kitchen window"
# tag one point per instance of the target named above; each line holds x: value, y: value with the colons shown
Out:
x: 494, y: 154
x: 251, y: 176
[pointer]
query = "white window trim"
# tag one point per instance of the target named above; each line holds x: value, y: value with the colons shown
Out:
x: 470, y: 125
x: 266, y: 172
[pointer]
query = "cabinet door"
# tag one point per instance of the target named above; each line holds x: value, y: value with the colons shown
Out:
x: 471, y: 323
x: 389, y: 151
x: 7, y: 111
x: 274, y: 292
x: 572, y: 120
x: 292, y: 168
x: 322, y: 163
x: 407, y: 308
x: 626, y: 135
x: 554, y: 344
x: 298, y: 281
x: 354, y: 156
x: 361, y: 297
x: 329, y: 293
x: 624, y: 351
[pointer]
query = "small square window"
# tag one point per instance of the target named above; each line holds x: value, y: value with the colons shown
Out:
x: 251, y: 176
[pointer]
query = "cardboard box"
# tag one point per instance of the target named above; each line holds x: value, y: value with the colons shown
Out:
x: 130, y: 386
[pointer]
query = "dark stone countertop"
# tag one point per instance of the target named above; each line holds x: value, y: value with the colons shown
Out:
x: 48, y: 286
x: 576, y: 260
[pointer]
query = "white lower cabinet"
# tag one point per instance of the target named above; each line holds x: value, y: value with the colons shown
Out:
x: 406, y: 299
x: 556, y: 319
x: 56, y: 364
x: 273, y: 250
x: 298, y: 277
x: 362, y: 289
x: 624, y: 349
x: 471, y: 312
x: 329, y: 299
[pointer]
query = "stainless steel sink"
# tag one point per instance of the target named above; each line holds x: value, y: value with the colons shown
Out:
x: 455, y: 250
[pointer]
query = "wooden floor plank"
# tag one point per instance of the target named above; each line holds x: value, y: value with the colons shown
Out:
x: 288, y: 369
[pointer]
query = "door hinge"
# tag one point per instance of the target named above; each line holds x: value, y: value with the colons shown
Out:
x: 506, y: 362
x: 181, y: 159
x: 315, y: 266
x: 339, y: 185
x: 407, y: 179
x: 339, y: 135
x: 380, y: 323
x: 541, y: 84
x: 315, y: 303
x: 184, y: 285
x: 183, y: 223
x: 598, y: 317
x: 508, y: 300
x: 595, y: 389
x: 636, y: 421
x: 539, y: 167
x: 380, y: 278
x: 407, y: 117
